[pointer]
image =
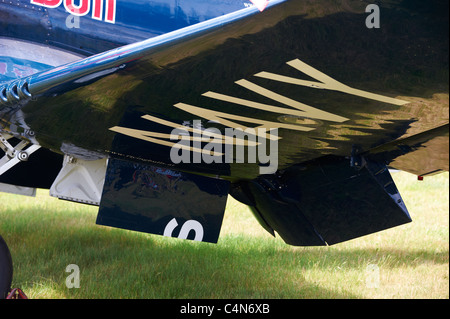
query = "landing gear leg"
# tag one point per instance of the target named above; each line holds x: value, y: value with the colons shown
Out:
x: 6, y: 269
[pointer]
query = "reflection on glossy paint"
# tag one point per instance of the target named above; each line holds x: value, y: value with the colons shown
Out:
x: 260, y: 4
x: 396, y: 77
x: 298, y: 109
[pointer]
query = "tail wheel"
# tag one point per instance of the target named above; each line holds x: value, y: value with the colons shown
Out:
x: 6, y: 269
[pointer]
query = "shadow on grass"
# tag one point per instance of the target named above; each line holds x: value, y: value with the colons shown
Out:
x: 121, y: 264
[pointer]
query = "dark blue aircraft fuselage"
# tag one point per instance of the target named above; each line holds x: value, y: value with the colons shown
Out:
x: 185, y: 75
x: 115, y: 23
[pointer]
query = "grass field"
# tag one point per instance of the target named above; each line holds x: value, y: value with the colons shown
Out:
x: 45, y: 235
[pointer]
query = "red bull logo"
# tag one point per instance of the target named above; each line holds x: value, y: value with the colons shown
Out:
x: 103, y: 10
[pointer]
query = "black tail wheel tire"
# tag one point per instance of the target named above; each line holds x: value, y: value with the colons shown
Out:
x: 6, y: 269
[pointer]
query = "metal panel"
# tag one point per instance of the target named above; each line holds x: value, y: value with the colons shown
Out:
x: 328, y: 201
x: 162, y: 201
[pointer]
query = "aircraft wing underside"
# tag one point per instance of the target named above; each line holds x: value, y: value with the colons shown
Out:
x: 297, y: 113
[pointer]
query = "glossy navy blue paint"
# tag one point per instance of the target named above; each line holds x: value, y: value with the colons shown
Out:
x: 214, y: 45
x: 150, y: 199
x: 13, y: 68
x: 135, y: 20
x: 124, y: 55
x: 325, y: 202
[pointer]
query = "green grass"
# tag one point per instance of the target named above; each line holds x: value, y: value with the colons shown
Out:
x: 45, y: 235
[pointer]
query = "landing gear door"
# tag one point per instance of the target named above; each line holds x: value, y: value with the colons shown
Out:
x: 162, y: 201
